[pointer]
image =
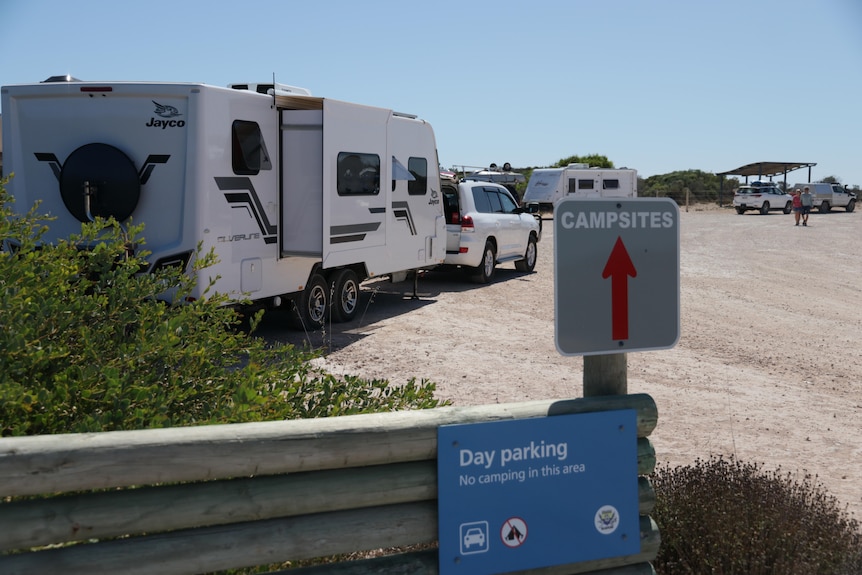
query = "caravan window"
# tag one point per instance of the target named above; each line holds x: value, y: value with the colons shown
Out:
x: 585, y: 185
x: 358, y: 174
x: 611, y: 185
x: 248, y: 153
x: 418, y: 169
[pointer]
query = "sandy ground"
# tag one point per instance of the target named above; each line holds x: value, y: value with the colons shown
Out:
x: 768, y: 366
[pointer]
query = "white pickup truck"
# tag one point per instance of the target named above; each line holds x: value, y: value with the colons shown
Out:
x: 828, y: 195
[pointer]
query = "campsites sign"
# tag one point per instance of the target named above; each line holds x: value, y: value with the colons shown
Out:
x: 616, y: 275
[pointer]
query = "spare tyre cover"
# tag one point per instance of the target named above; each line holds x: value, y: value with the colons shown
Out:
x: 113, y: 180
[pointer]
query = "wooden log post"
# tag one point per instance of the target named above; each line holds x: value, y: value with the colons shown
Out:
x: 605, y: 375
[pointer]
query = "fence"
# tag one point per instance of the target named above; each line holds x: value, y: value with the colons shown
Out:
x: 203, y: 499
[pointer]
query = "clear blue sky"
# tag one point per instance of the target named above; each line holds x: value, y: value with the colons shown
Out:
x: 658, y: 85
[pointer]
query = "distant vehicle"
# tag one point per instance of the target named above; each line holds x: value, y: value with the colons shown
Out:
x: 505, y: 177
x: 829, y: 195
x: 484, y: 227
x: 762, y: 197
x: 547, y: 185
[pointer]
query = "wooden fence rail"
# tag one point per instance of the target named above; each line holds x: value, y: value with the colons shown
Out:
x: 196, y: 500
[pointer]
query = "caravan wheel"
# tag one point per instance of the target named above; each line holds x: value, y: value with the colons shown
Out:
x: 345, y: 296
x: 309, y: 309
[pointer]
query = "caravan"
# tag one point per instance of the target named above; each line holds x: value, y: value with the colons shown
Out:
x: 299, y: 196
x: 547, y: 185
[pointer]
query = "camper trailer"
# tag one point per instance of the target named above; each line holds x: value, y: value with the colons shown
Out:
x: 299, y: 196
x: 547, y: 185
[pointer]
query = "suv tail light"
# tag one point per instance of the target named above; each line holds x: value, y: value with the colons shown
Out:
x: 455, y: 217
x: 467, y: 224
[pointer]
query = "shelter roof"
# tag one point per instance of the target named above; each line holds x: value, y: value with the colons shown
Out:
x: 767, y: 169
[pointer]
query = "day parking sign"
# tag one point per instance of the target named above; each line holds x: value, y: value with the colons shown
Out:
x: 529, y: 493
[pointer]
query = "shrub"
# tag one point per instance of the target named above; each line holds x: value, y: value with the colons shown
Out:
x: 87, y: 345
x: 726, y: 517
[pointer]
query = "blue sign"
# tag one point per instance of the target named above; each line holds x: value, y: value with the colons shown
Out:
x: 532, y: 493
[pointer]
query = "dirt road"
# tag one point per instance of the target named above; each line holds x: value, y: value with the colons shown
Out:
x: 768, y: 366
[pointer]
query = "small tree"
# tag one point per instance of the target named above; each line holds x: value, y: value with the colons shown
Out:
x: 592, y: 160
x: 87, y: 344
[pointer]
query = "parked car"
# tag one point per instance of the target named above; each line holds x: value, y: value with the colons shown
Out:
x: 485, y: 227
x: 763, y: 197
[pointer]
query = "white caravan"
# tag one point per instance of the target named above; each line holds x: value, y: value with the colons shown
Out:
x: 296, y: 194
x: 547, y: 185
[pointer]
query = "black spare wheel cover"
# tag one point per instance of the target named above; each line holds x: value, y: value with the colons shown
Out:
x: 113, y: 180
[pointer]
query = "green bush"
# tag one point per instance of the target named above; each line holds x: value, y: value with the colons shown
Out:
x: 86, y: 344
x: 724, y: 517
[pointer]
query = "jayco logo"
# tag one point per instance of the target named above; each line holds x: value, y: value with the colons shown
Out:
x: 434, y: 198
x: 168, y: 113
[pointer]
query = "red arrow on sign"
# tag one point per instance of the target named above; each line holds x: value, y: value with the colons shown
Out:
x: 619, y: 267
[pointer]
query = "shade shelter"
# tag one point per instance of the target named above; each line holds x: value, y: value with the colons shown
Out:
x: 763, y: 170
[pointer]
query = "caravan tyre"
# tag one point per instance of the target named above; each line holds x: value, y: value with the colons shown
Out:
x: 309, y: 309
x: 112, y: 179
x: 345, y: 295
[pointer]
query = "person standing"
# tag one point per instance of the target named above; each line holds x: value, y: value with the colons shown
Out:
x: 797, y: 205
x: 807, y: 203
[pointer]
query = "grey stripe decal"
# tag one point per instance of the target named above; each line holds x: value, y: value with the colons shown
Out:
x: 351, y: 233
x: 353, y: 228
x: 347, y: 239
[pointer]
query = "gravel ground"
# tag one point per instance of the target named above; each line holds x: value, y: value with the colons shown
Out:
x: 768, y: 366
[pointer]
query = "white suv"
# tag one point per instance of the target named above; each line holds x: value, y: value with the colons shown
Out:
x: 761, y: 196
x: 485, y: 226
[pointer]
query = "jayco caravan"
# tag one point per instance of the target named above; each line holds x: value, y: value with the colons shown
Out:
x: 547, y: 185
x: 300, y: 196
